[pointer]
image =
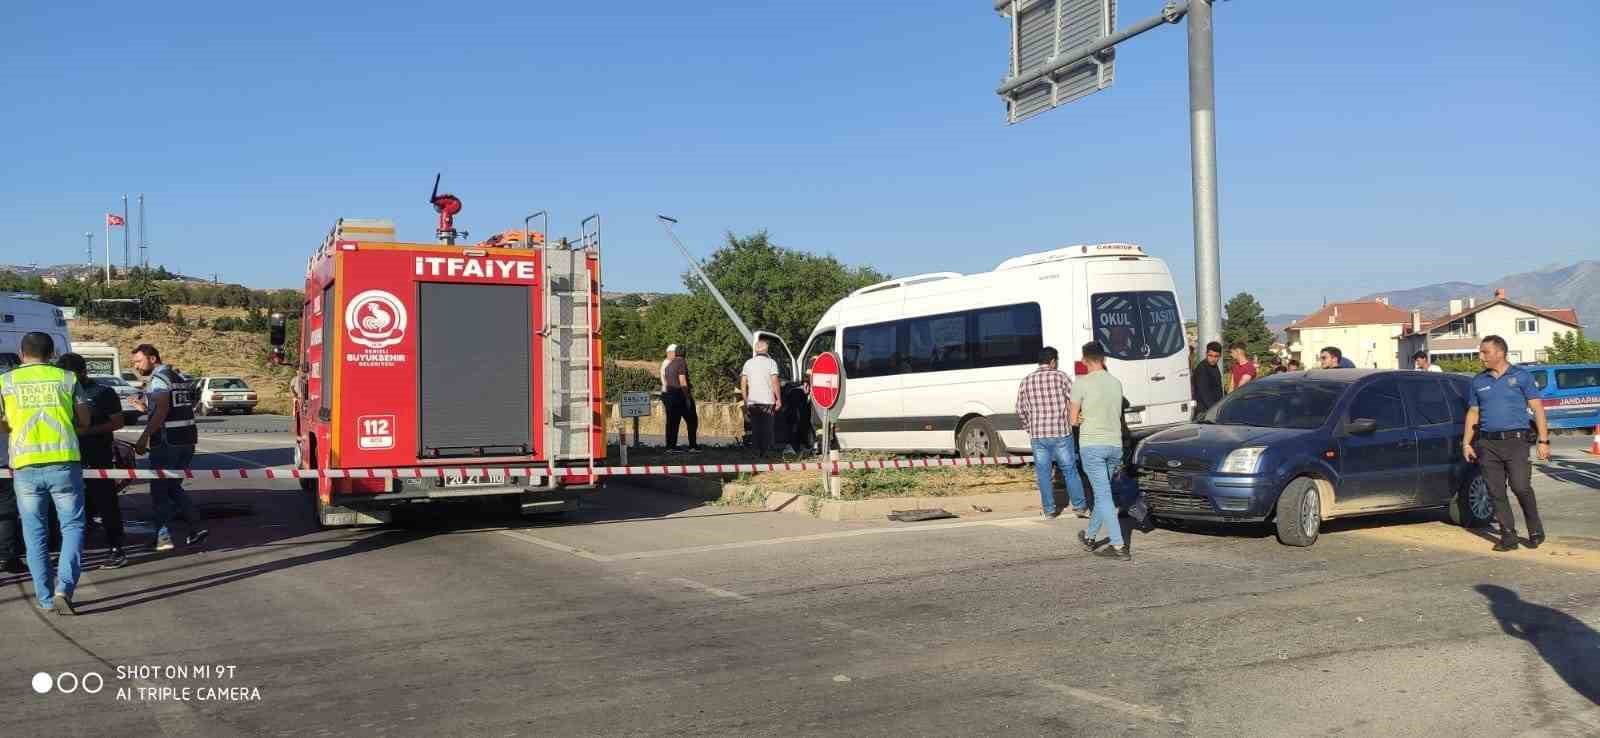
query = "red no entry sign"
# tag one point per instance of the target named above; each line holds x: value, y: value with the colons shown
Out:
x: 825, y: 380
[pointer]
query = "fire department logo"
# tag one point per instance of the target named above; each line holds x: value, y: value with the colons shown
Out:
x: 375, y: 319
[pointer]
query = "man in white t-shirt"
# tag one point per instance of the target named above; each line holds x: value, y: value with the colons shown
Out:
x: 1422, y: 363
x: 758, y: 383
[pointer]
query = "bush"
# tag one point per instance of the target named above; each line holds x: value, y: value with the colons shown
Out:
x: 1471, y: 365
x: 620, y: 379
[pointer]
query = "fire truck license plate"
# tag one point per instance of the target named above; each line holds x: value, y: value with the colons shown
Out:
x: 490, y: 477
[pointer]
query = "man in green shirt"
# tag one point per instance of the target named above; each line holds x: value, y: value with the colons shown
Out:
x: 1097, y: 412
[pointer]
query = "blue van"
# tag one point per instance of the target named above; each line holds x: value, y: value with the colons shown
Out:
x: 1570, y: 393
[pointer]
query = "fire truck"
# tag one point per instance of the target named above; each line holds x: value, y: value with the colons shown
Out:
x: 450, y: 356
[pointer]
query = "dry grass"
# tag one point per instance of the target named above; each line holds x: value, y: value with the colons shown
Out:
x: 202, y: 351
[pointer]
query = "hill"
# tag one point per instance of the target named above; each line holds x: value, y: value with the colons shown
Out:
x: 1575, y: 286
x: 202, y: 351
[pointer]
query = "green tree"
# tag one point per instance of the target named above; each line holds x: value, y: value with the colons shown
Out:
x: 1247, y: 322
x: 631, y: 301
x: 1572, y: 348
x: 771, y: 288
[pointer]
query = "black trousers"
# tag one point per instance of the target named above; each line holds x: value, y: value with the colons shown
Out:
x: 101, y: 498
x: 10, y: 522
x: 1507, y: 461
x: 691, y: 418
x: 673, y: 401
x: 761, y: 420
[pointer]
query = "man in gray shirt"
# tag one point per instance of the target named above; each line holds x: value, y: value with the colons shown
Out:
x: 1097, y: 412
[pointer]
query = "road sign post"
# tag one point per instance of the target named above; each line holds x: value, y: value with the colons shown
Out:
x: 1062, y: 51
x: 827, y: 391
x: 634, y: 405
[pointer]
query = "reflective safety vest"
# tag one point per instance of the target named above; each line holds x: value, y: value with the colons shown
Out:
x: 39, y: 409
x: 179, y: 428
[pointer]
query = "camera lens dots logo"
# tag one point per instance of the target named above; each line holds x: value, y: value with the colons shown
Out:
x: 68, y: 683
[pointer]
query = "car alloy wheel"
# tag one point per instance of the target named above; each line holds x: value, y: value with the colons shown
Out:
x: 1311, y: 512
x: 1478, y: 500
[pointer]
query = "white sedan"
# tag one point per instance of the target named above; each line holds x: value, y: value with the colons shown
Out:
x: 225, y: 394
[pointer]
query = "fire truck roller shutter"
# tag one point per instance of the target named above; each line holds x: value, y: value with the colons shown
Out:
x: 475, y: 370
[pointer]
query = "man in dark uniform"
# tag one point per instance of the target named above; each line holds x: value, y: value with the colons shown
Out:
x: 1205, y: 382
x: 1502, y: 396
x: 96, y: 443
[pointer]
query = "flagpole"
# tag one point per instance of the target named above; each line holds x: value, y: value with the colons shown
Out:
x: 124, y: 231
x: 108, y: 252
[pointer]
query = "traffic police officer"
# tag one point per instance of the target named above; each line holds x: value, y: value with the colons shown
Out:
x: 1502, y: 396
x: 42, y: 407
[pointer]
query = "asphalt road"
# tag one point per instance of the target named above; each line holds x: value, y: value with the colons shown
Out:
x: 649, y: 614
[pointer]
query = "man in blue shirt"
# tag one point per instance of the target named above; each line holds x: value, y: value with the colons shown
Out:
x: 1502, y: 398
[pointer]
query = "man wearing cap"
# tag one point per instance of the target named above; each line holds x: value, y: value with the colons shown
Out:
x: 1502, y: 397
x: 675, y: 397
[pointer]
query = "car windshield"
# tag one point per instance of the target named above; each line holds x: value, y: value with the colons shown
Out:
x: 228, y: 384
x: 111, y: 381
x: 1287, y: 403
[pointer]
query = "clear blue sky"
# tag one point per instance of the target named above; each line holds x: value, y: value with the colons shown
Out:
x: 1363, y: 145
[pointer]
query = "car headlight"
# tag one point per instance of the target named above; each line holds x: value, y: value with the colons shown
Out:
x: 1243, y: 461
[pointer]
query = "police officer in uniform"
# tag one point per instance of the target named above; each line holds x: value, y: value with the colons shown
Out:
x: 170, y: 437
x: 43, y: 407
x: 1502, y: 396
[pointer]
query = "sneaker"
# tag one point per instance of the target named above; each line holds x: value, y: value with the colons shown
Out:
x: 694, y: 449
x: 674, y: 450
x: 164, y: 544
x: 1088, y: 545
x: 1120, y: 553
x: 196, y: 538
x: 1082, y: 512
x: 117, y: 560
x: 63, y: 604
x: 1049, y: 515
x: 1507, y: 543
x: 1535, y: 540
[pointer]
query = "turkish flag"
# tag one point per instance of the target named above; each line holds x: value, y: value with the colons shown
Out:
x: 113, y: 220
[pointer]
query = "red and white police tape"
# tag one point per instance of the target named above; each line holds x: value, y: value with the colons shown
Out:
x: 439, y: 472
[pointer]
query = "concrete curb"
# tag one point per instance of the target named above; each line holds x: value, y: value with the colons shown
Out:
x: 877, y: 508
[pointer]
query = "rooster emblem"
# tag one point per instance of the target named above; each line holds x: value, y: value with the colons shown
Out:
x: 376, y: 319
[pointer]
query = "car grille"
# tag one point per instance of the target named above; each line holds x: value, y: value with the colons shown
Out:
x: 1176, y: 502
x: 1160, y: 462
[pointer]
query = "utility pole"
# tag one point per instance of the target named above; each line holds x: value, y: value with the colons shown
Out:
x: 1203, y: 165
x: 124, y: 231
x: 144, y: 260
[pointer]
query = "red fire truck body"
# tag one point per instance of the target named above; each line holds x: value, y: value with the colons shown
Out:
x: 438, y: 355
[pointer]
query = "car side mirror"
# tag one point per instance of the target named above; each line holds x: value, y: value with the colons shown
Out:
x: 1361, y: 427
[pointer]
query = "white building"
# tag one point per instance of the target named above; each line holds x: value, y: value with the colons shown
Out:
x: 1527, y: 330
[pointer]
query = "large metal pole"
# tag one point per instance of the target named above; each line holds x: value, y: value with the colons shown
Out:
x: 125, y: 230
x: 144, y: 261
x: 1203, y: 161
x: 749, y: 337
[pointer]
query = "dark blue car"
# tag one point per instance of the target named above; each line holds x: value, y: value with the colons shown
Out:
x: 1300, y: 448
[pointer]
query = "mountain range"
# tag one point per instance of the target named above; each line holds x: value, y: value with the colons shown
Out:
x: 1576, y: 286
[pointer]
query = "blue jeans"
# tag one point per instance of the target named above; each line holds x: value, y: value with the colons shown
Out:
x: 1099, y: 462
x: 1057, y: 453
x: 37, y: 487
x: 167, y: 496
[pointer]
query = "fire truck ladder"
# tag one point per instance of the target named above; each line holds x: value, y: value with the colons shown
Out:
x: 569, y: 290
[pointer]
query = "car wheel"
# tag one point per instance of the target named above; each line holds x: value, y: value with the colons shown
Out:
x: 1472, y: 507
x: 1299, y: 515
x: 977, y: 438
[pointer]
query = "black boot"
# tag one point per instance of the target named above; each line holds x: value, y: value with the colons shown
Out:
x: 1508, y: 542
x: 1121, y: 553
x: 1534, y: 539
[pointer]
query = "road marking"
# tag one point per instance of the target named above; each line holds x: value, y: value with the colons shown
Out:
x: 554, y: 546
x: 1146, y: 712
x: 708, y: 589
x: 663, y: 553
